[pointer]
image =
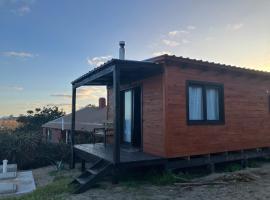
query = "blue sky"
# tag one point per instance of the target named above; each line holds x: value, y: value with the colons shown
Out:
x: 47, y: 44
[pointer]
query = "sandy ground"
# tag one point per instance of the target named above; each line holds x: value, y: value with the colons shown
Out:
x: 253, y: 184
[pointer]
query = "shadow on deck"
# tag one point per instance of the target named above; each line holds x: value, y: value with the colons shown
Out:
x: 128, y: 156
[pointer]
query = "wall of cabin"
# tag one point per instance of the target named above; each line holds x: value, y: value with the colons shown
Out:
x: 152, y: 113
x: 153, y: 116
x: 247, y: 116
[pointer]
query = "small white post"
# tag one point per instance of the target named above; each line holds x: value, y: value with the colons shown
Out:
x: 63, y: 128
x: 5, y: 166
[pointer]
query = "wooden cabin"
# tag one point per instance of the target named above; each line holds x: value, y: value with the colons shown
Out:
x: 179, y: 112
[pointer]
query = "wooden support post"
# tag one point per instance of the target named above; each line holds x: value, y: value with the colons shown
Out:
x: 187, y: 158
x: 211, y: 165
x: 72, y: 134
x: 115, y: 175
x: 226, y: 155
x: 167, y: 167
x: 244, y: 161
x: 83, y: 165
x: 117, y: 118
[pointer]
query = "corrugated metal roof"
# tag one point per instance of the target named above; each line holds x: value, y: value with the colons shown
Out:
x: 89, y: 117
x: 166, y: 57
x: 110, y: 63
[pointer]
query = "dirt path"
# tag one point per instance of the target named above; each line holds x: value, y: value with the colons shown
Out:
x: 257, y: 187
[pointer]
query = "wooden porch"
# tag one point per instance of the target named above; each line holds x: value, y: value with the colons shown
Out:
x: 129, y: 157
x: 113, y: 157
x: 113, y: 74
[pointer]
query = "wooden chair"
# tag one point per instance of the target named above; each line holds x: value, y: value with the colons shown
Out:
x: 103, y: 132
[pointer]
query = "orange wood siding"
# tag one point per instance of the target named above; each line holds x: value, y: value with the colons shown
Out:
x: 153, y: 118
x: 247, y: 117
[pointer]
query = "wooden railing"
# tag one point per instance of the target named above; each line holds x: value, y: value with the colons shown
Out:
x: 103, y: 132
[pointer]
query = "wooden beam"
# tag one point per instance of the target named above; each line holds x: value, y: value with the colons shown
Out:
x: 117, y: 117
x: 88, y: 79
x: 136, y: 76
x: 72, y: 134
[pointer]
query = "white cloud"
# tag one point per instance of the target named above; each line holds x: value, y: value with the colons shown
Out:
x: 159, y: 53
x: 11, y: 88
x: 171, y: 40
x: 235, y: 27
x: 84, y: 96
x: 178, y: 36
x: 97, y: 61
x: 170, y: 43
x: 17, y: 7
x: 173, y: 33
x: 190, y: 27
x: 209, y: 38
x: 185, y: 41
x: 84, y: 93
x: 177, y: 33
x: 62, y: 95
x: 22, y: 10
x: 18, y: 54
x: 17, y: 88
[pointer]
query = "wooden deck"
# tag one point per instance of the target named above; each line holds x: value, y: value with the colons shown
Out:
x: 130, y: 158
x: 127, y: 156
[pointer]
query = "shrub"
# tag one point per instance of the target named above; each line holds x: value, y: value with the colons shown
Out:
x: 49, y: 153
x: 232, y: 167
x: 28, y: 150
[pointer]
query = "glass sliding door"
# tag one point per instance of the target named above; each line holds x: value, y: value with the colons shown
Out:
x: 128, y: 105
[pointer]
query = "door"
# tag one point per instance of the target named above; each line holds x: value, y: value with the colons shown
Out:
x: 128, y: 105
x: 131, y: 116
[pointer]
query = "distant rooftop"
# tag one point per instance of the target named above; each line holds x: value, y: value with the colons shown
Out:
x: 87, y: 119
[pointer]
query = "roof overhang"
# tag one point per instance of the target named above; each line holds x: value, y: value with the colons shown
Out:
x: 205, y: 65
x: 129, y: 71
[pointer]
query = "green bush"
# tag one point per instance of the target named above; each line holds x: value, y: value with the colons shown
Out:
x: 155, y: 177
x: 28, y: 150
x: 232, y: 167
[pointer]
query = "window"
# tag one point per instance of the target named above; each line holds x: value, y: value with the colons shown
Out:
x: 49, y: 135
x: 195, y: 103
x: 205, y: 103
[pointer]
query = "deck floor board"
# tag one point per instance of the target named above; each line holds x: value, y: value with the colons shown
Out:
x: 106, y: 152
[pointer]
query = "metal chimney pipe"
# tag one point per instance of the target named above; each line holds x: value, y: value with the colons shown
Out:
x: 122, y: 50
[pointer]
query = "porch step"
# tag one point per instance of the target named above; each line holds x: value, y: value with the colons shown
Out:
x: 83, y: 180
x: 93, y: 171
x: 90, y: 177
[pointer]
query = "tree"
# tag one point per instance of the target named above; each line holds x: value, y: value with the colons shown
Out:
x: 24, y: 145
x: 33, y: 120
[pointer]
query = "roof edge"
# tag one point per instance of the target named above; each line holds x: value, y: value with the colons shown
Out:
x: 165, y: 58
